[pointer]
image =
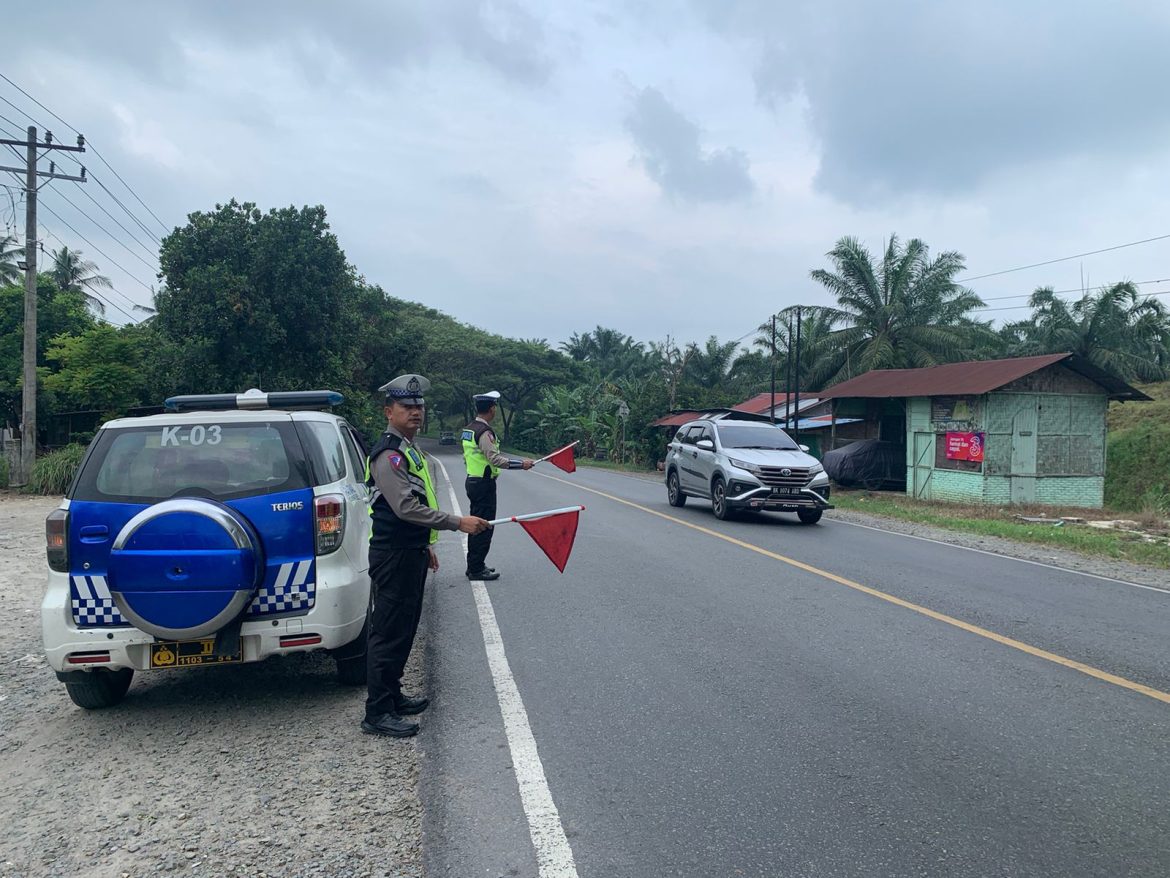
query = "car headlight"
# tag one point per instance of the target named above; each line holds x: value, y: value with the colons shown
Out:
x: 743, y: 464
x: 816, y: 469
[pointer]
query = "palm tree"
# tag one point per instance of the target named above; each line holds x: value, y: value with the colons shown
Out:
x: 710, y: 366
x: 905, y: 311
x: 816, y: 328
x: 1116, y: 329
x: 71, y: 272
x: 609, y: 351
x: 10, y: 252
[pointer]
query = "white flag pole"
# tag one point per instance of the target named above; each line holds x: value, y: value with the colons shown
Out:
x: 558, y: 451
x: 531, y: 515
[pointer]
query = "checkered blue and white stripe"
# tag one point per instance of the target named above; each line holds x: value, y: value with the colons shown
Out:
x: 92, y: 603
x: 295, y: 588
x: 292, y: 588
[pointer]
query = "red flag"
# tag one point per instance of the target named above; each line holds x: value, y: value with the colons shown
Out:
x: 554, y: 534
x: 563, y: 459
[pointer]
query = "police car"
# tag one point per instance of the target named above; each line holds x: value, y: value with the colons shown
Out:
x: 232, y: 528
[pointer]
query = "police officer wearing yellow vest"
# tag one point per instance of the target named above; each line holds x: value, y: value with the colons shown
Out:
x: 481, y: 453
x: 406, y: 524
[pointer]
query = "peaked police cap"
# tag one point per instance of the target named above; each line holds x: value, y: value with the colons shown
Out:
x: 407, y: 389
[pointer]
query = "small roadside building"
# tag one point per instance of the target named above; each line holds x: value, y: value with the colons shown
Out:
x: 1023, y: 430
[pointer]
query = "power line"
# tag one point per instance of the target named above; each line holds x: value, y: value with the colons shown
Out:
x: 35, y: 101
x: 1021, y: 307
x: 1062, y: 259
x: 98, y: 249
x: 146, y: 230
x: 106, y: 231
x: 43, y: 230
x: 161, y: 224
x: 92, y: 148
x: 102, y: 207
x: 1161, y: 280
x: 128, y: 212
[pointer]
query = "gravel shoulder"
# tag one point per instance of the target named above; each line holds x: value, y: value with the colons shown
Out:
x: 252, y: 770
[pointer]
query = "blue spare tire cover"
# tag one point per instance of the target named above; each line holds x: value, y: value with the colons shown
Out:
x: 184, y: 568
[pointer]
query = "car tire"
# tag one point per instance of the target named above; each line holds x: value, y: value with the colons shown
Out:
x: 809, y: 516
x: 94, y: 690
x: 719, y: 500
x: 674, y: 494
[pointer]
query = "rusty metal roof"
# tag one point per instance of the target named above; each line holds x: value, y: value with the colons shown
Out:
x: 675, y: 419
x: 758, y: 404
x: 971, y: 379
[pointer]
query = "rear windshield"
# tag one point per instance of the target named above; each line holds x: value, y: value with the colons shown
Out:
x: 221, y: 461
x: 756, y: 437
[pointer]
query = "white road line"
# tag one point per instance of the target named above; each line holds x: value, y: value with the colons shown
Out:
x: 895, y: 533
x: 554, y: 857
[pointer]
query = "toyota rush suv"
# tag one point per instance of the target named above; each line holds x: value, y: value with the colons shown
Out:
x: 231, y: 529
x: 740, y: 464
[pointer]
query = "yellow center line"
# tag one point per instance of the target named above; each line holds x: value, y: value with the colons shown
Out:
x: 1157, y: 694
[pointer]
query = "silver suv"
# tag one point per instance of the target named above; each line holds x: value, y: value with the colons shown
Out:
x: 739, y: 464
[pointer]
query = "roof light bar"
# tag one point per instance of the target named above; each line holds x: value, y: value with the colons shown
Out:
x: 255, y: 399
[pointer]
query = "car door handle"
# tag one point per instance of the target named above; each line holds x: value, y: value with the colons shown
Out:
x: 95, y: 533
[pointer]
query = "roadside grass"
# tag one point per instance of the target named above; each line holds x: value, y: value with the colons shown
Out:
x: 999, y: 522
x: 1138, y: 454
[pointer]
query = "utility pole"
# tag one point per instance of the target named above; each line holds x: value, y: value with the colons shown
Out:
x: 788, y: 378
x: 772, y: 401
x: 28, y: 421
x: 796, y: 402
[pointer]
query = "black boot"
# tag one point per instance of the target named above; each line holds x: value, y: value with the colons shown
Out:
x: 390, y: 725
x: 485, y: 575
x: 407, y: 705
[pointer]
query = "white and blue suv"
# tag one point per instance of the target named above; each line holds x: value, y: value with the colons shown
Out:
x: 739, y: 463
x: 233, y: 528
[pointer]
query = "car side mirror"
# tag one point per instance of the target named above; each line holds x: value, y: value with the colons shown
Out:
x: 803, y: 448
x: 705, y: 445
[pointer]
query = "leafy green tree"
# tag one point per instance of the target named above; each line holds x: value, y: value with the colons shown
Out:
x: 903, y: 311
x: 256, y: 299
x: 101, y: 368
x: 70, y: 272
x: 59, y: 312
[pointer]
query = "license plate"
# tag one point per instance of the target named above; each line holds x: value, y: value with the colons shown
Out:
x: 188, y: 653
x: 786, y: 490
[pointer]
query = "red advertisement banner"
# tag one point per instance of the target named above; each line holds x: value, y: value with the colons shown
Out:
x: 965, y: 446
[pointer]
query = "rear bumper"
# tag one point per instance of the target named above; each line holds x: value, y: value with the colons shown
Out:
x: 337, y: 617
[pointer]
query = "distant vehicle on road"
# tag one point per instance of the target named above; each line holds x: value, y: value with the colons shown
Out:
x: 739, y: 464
x: 231, y: 529
x: 446, y: 437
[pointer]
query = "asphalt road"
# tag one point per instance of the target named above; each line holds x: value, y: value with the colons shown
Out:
x: 761, y: 698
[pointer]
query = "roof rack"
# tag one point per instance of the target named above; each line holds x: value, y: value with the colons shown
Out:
x: 255, y: 399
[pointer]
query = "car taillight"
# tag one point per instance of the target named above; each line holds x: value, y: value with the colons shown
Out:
x: 330, y: 515
x: 57, y: 540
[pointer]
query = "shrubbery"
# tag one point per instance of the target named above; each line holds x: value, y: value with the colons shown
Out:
x: 53, y: 473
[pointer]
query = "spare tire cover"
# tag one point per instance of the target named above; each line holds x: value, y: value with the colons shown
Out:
x: 184, y: 568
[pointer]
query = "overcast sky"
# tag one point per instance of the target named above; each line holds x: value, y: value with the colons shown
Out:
x: 659, y: 167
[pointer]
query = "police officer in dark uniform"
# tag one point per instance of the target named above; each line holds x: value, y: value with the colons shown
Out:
x: 406, y: 522
x: 481, y: 453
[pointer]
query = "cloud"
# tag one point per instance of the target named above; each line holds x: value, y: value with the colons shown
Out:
x: 937, y: 97
x: 330, y: 45
x: 670, y: 152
